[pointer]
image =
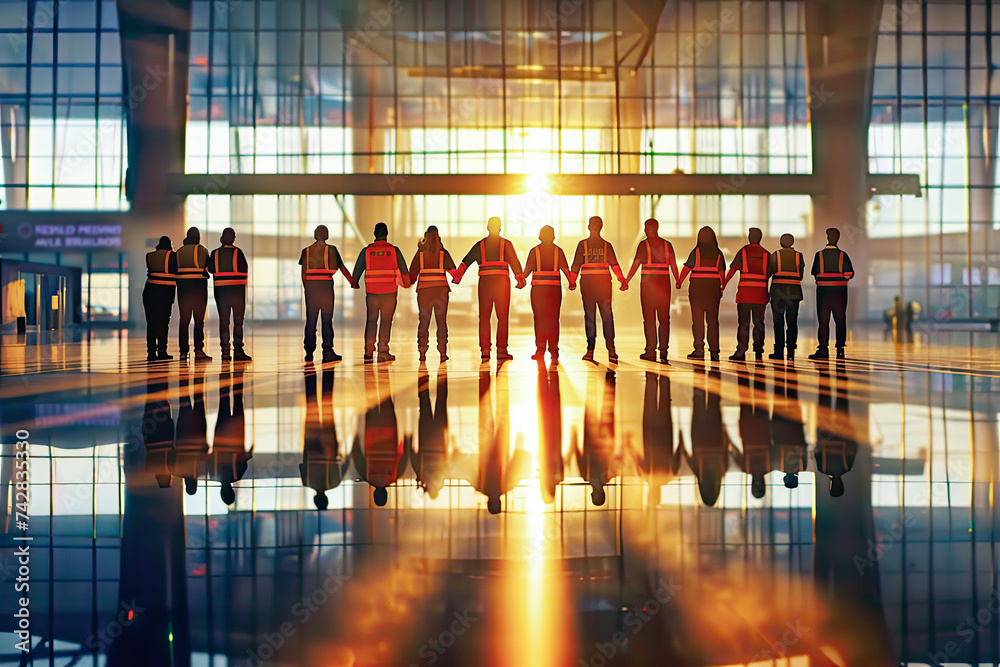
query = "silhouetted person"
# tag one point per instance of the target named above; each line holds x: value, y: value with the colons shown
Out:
x: 836, y: 446
x: 158, y: 298
x: 500, y: 469
x: 788, y: 438
x: 383, y: 446
x: 707, y: 267
x: 659, y: 272
x: 385, y: 270
x: 230, y: 457
x: 229, y: 268
x: 709, y: 442
x: 430, y: 462
x: 658, y: 461
x: 786, y: 268
x: 544, y: 264
x: 593, y: 259
x: 192, y: 293
x: 320, y: 262
x: 596, y: 460
x: 550, y: 429
x: 755, y: 432
x: 497, y: 258
x: 832, y: 269
x: 322, y: 468
x: 191, y: 449
x: 751, y: 295
x: 158, y: 431
x: 429, y: 270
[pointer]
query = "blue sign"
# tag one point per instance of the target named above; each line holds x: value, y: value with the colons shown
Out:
x: 61, y: 237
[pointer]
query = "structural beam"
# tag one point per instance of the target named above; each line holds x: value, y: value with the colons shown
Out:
x: 517, y: 184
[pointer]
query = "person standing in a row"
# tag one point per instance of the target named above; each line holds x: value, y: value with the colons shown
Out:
x: 496, y: 257
x: 707, y: 267
x: 192, y: 293
x: 158, y: 298
x: 320, y: 262
x: 544, y: 263
x: 786, y: 267
x: 228, y: 266
x: 656, y: 256
x: 593, y: 259
x: 832, y: 269
x: 429, y: 270
x: 751, y: 295
x: 385, y: 271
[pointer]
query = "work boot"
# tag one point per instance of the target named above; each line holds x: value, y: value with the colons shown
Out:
x: 648, y: 356
x: 201, y: 355
x: 776, y: 355
x: 738, y: 357
x: 329, y: 356
x: 444, y: 357
x: 790, y: 355
x: 226, y: 356
x: 485, y: 356
x: 504, y: 356
x: 758, y: 356
x: 369, y: 359
x: 151, y: 357
x: 589, y: 356
x: 820, y: 353
x: 163, y: 356
x: 309, y: 357
x: 612, y: 356
x: 384, y: 357
x: 538, y: 355
x: 663, y: 359
x: 423, y: 355
x: 697, y: 354
x: 242, y: 356
x: 714, y: 356
x: 841, y: 354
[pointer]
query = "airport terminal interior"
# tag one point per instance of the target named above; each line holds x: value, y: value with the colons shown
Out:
x: 235, y: 511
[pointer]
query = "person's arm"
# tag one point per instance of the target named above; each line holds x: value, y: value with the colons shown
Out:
x: 721, y: 264
x: 241, y: 262
x: 415, y: 267
x: 529, y: 264
x: 848, y: 267
x: 342, y: 265
x: 510, y: 255
x: 210, y: 265
x: 470, y: 257
x: 302, y: 263
x: 564, y: 267
x: 359, y: 268
x: 404, y: 272
x: 449, y: 263
x: 172, y: 263
x: 671, y: 259
x: 577, y: 259
x: 612, y: 260
x: 636, y: 263
x: 801, y: 266
x: 815, y: 266
x: 772, y: 263
x: 733, y: 268
x: 686, y: 269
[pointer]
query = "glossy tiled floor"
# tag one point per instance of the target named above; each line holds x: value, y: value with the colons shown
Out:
x: 839, y: 513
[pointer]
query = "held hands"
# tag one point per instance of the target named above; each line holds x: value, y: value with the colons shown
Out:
x: 623, y: 286
x: 572, y: 285
x: 520, y: 282
x: 678, y: 284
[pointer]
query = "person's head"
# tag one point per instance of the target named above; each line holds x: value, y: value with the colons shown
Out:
x: 791, y: 480
x: 546, y: 234
x: 757, y: 486
x: 595, y: 225
x: 833, y: 236
x: 598, y: 496
x: 163, y: 481
x: 432, y: 237
x: 381, y: 231
x: 381, y: 496
x: 493, y: 506
x: 320, y: 500
x: 755, y: 235
x: 706, y: 239
x: 493, y: 225
x: 190, y: 485
x: 787, y: 240
x: 321, y: 233
x: 164, y: 243
x: 193, y: 236
x: 652, y: 227
x: 228, y: 493
x: 836, y: 486
x: 228, y: 236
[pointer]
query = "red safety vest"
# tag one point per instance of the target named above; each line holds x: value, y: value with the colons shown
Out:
x: 432, y: 276
x: 230, y: 276
x: 832, y: 279
x: 188, y: 265
x: 703, y: 270
x: 546, y: 277
x: 154, y: 274
x: 752, y: 287
x: 784, y: 276
x: 494, y: 267
x: 588, y: 268
x: 651, y: 268
x: 318, y: 268
x: 381, y: 268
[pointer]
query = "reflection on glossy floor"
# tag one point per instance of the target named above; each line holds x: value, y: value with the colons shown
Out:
x: 838, y: 513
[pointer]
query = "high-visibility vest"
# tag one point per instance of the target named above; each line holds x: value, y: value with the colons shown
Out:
x: 189, y: 264
x: 432, y: 276
x: 831, y: 279
x: 785, y: 276
x: 651, y: 268
x: 705, y: 271
x: 546, y: 277
x: 158, y: 268
x: 589, y: 268
x: 750, y: 278
x: 493, y: 267
x: 319, y: 268
x: 381, y: 268
x: 225, y: 271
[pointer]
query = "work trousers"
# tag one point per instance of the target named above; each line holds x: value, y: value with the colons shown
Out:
x: 596, y: 293
x: 157, y: 302
x: 319, y: 304
x: 432, y: 301
x: 231, y: 301
x: 546, y: 301
x: 832, y: 301
x: 750, y: 313
x: 380, y: 309
x: 654, y: 297
x: 785, y: 316
x: 494, y: 294
x: 705, y: 308
x: 192, y: 301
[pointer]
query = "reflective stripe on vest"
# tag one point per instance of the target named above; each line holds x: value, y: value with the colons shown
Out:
x: 382, y: 269
x: 432, y: 276
x: 749, y: 279
x: 188, y: 267
x: 651, y: 268
x: 323, y: 273
x: 707, y: 272
x: 494, y: 267
x: 546, y: 277
x: 831, y: 279
x: 595, y: 268
x: 153, y: 275
x: 783, y: 277
x: 231, y: 277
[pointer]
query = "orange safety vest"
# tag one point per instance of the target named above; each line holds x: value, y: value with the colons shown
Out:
x: 381, y: 268
x: 749, y: 278
x: 546, y: 277
x: 319, y: 273
x: 832, y: 279
x: 154, y: 275
x: 494, y: 267
x: 651, y: 268
x: 432, y: 276
x: 230, y: 277
x: 704, y: 271
x: 786, y: 277
x: 589, y: 268
x: 188, y: 266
